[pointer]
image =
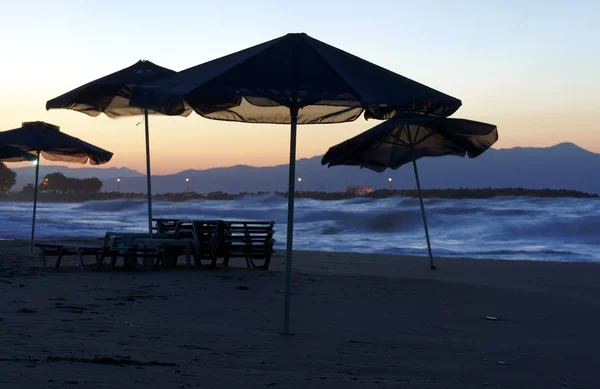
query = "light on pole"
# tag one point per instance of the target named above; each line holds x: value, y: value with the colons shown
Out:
x: 119, y: 185
x: 390, y: 181
x: 299, y: 182
x: 187, y: 181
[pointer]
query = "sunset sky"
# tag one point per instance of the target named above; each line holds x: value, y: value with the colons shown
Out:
x: 530, y: 67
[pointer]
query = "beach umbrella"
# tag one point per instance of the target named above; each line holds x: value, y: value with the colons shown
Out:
x: 48, y: 141
x: 14, y: 154
x: 110, y: 95
x: 396, y: 142
x: 293, y: 79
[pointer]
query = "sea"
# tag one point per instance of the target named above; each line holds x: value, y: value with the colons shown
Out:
x: 512, y: 228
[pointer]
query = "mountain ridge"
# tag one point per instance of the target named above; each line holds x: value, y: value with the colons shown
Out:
x: 562, y: 166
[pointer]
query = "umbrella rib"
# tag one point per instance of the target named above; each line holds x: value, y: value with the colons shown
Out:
x: 397, y: 144
x: 416, y: 134
x: 427, y: 136
x: 398, y: 139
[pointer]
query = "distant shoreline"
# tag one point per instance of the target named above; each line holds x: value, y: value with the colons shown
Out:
x: 378, y: 194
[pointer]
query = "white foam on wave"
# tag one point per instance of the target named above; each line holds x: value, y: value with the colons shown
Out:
x: 509, y: 228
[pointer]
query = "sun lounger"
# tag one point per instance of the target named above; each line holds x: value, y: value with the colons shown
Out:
x: 214, y: 239
x: 165, y: 226
x: 61, y: 250
x: 251, y: 240
x: 203, y: 234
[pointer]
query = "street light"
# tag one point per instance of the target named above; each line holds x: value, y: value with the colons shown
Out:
x: 390, y: 180
x: 187, y: 181
x: 299, y: 182
x: 119, y: 185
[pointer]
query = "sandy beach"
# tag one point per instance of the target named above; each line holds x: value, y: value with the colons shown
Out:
x: 358, y: 321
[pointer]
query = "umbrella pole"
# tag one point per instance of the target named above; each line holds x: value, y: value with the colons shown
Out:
x: 290, y: 221
x: 148, y: 175
x: 35, y: 196
x: 423, y: 214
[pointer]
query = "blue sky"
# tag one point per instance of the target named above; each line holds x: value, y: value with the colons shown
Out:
x: 529, y: 67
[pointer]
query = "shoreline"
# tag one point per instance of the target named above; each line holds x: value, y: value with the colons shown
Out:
x: 17, y: 242
x: 450, y: 194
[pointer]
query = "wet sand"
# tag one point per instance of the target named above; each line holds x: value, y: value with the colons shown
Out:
x: 358, y: 321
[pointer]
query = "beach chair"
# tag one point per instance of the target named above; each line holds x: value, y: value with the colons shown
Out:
x: 251, y: 240
x: 165, y: 226
x: 64, y: 250
x: 204, y: 235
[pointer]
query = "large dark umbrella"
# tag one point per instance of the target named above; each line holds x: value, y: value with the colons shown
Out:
x: 13, y: 154
x: 400, y: 141
x: 294, y: 79
x: 47, y: 140
x: 110, y: 95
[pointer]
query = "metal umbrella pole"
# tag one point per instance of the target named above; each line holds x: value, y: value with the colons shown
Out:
x: 35, y: 196
x: 290, y: 221
x: 423, y: 214
x: 148, y: 174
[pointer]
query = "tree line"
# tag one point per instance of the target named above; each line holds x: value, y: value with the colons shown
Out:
x: 59, y: 183
x: 54, y: 182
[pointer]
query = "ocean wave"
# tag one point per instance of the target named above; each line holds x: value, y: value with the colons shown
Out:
x: 503, y: 228
x: 111, y: 205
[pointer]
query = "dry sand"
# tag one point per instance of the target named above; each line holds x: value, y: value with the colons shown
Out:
x: 359, y: 321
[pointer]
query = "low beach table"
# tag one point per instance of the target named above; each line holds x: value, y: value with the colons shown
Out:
x: 133, y: 245
x: 165, y: 244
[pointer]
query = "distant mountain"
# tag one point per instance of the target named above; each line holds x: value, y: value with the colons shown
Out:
x: 564, y: 166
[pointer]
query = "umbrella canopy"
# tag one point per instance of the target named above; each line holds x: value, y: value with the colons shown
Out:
x: 261, y: 84
x: 53, y: 144
x: 294, y: 79
x: 13, y: 154
x: 46, y: 139
x: 110, y: 94
x: 396, y: 142
x: 400, y: 141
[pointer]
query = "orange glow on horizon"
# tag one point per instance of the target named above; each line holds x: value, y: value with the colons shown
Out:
x: 179, y: 143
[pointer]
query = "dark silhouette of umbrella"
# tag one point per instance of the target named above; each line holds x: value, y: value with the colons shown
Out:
x: 400, y: 141
x: 46, y: 139
x: 13, y: 154
x: 110, y: 95
x: 294, y: 79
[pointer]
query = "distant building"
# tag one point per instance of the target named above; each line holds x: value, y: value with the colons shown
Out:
x: 359, y: 190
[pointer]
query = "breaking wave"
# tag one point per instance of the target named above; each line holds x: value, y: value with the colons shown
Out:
x: 559, y: 229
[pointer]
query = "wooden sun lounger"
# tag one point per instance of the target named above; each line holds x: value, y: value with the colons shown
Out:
x: 251, y: 240
x: 203, y: 235
x: 214, y: 239
x: 61, y: 250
